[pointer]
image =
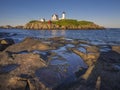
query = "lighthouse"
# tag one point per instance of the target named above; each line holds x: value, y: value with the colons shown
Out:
x: 63, y: 15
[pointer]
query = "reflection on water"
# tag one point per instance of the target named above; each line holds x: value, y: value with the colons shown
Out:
x: 55, y: 33
x: 8, y: 68
x: 62, y: 32
x: 64, y: 67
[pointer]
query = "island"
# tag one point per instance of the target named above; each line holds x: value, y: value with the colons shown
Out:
x: 56, y: 23
x: 64, y: 24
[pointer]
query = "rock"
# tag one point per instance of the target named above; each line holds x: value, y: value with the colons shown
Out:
x: 91, y: 58
x: 8, y: 68
x: 17, y: 77
x: 111, y: 57
x: 48, y: 77
x: 89, y: 54
x: 106, y: 70
x: 16, y: 83
x: 57, y: 64
x: 82, y: 55
x: 15, y: 64
x: 92, y: 49
x: 4, y: 43
x: 88, y: 72
x: 103, y: 75
x: 116, y: 48
x: 98, y: 83
x: 29, y: 44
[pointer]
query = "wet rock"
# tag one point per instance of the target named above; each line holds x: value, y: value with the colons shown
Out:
x: 105, y: 68
x: 82, y: 50
x: 43, y: 55
x: 8, y: 68
x: 111, y: 57
x: 116, y: 48
x: 102, y: 75
x: 105, y: 48
x: 88, y: 72
x: 49, y: 77
x: 111, y: 67
x: 88, y: 53
x: 98, y: 83
x: 7, y: 41
x: 15, y: 83
x: 58, y: 63
x: 17, y: 77
x: 92, y: 49
x: 25, y: 76
x: 91, y: 58
x: 11, y: 83
x: 81, y: 54
x: 4, y: 43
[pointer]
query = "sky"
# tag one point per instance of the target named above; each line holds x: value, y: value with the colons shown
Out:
x: 102, y: 12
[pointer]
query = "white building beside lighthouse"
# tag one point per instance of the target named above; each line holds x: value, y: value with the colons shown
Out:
x: 55, y: 17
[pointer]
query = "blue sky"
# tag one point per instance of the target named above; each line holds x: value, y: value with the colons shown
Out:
x: 19, y: 12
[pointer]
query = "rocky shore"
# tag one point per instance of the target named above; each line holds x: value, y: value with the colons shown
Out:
x: 58, y: 63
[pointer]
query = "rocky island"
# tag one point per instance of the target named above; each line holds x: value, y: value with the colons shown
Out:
x: 57, y: 23
x: 67, y: 24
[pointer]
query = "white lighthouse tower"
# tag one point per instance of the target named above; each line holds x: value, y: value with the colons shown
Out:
x: 63, y: 15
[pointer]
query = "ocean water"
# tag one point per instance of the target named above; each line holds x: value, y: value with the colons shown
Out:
x: 108, y: 36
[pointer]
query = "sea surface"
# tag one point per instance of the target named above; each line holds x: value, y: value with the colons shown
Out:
x: 108, y: 36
